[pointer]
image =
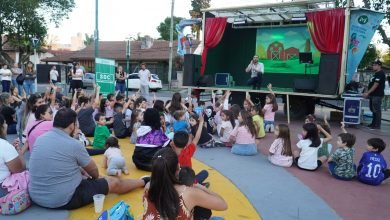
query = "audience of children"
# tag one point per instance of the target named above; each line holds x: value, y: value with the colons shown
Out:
x: 227, y: 125
x: 136, y: 119
x: 101, y: 132
x: 205, y: 139
x: 113, y: 158
x: 269, y: 109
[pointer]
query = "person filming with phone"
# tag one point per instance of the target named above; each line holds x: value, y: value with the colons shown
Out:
x: 256, y: 69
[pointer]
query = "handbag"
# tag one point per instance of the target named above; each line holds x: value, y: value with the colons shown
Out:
x: 120, y: 211
x: 20, y: 79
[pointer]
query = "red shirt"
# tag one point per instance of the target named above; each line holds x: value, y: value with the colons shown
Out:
x: 186, y: 155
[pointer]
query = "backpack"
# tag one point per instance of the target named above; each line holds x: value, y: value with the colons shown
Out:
x: 119, y: 211
x: 17, y: 199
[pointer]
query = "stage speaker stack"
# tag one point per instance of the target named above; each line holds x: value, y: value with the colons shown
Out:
x: 328, y: 74
x: 191, y: 73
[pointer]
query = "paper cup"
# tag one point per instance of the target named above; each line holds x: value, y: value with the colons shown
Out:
x: 98, y: 201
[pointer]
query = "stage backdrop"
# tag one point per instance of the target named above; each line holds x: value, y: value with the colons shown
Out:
x: 279, y: 48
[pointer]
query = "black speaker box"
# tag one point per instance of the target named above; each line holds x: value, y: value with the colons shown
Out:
x: 305, y: 85
x: 191, y: 69
x: 204, y: 81
x: 328, y: 74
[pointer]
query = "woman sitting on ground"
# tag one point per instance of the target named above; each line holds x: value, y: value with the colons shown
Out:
x: 175, y: 201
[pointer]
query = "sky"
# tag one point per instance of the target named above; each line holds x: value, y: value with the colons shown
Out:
x: 120, y: 18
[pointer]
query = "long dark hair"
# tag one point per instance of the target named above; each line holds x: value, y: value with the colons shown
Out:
x: 273, y: 102
x: 134, y: 116
x: 159, y: 105
x: 175, y: 103
x: 41, y: 110
x: 102, y: 106
x: 162, y: 192
x: 152, y: 119
x: 312, y: 134
x: 229, y: 115
x: 257, y: 108
x: 30, y: 108
x: 248, y: 122
x: 284, y: 133
x: 235, y: 110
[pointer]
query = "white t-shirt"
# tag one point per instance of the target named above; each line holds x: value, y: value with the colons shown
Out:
x: 256, y: 68
x: 78, y: 74
x: 7, y: 153
x: 308, y: 156
x: 53, y: 74
x: 128, y: 113
x: 144, y: 77
x: 227, y: 129
x: 6, y: 74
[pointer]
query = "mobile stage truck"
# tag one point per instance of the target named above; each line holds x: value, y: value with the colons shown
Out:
x: 310, y: 51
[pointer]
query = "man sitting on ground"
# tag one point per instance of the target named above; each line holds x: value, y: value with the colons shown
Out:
x: 62, y: 175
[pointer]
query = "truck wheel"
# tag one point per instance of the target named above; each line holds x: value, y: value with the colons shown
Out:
x: 300, y: 107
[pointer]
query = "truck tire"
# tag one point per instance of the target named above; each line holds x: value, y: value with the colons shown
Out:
x: 300, y: 107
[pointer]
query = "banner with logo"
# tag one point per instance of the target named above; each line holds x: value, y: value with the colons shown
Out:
x: 362, y: 28
x: 105, y: 75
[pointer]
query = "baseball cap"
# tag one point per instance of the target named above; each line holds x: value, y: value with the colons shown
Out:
x: 377, y: 62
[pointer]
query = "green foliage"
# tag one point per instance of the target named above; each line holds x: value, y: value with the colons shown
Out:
x: 20, y: 20
x: 197, y: 5
x: 370, y: 55
x: 89, y: 39
x: 165, y: 27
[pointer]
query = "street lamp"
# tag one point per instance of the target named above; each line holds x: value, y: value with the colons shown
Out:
x: 128, y: 49
x: 35, y: 42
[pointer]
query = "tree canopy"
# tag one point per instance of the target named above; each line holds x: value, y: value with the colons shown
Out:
x: 197, y: 5
x: 165, y: 27
x: 20, y: 20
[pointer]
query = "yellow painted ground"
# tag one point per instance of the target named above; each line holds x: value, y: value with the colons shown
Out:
x: 239, y: 206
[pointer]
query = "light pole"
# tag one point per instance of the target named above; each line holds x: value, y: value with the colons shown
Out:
x: 35, y: 42
x: 171, y: 47
x: 128, y: 49
x: 96, y: 29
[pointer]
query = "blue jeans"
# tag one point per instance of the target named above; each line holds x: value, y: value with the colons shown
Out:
x: 6, y: 85
x: 376, y: 108
x: 20, y: 87
x: 332, y: 170
x: 29, y: 86
x: 244, y: 149
x: 121, y: 87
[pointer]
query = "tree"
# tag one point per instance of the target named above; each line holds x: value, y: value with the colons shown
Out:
x: 20, y: 20
x: 370, y: 55
x: 89, y: 39
x: 165, y: 27
x: 197, y: 5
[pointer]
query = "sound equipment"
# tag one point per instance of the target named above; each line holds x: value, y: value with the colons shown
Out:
x: 222, y: 79
x: 305, y: 85
x: 328, y: 74
x: 191, y: 71
x: 204, y: 81
x: 306, y: 57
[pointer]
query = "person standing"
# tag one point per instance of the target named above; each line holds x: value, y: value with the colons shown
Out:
x: 77, y: 79
x: 29, y: 78
x: 376, y: 91
x: 6, y: 75
x: 120, y: 80
x: 144, y: 78
x: 16, y: 71
x: 256, y: 69
x: 53, y: 75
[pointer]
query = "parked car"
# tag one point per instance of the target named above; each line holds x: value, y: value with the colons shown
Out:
x: 88, y: 80
x: 133, y: 82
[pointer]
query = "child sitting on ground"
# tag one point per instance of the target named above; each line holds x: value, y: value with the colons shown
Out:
x: 227, y: 126
x: 269, y: 109
x: 119, y: 125
x: 113, y: 158
x: 180, y: 123
x: 187, y: 178
x: 280, y: 153
x: 205, y: 140
x: 101, y: 132
x: 243, y: 135
x: 340, y: 163
x: 185, y: 151
x: 258, y: 121
x: 307, y: 158
x: 372, y: 169
x: 136, y: 119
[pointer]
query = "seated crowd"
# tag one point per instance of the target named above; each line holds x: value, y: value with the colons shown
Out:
x: 54, y: 129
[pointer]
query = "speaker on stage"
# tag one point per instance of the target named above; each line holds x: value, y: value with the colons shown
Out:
x: 305, y: 85
x: 191, y: 71
x: 328, y: 74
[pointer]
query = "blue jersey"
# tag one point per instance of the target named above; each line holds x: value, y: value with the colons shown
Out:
x: 372, y: 166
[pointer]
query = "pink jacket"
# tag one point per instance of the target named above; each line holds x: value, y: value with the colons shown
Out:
x: 17, y: 181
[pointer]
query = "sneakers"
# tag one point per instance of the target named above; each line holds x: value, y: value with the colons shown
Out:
x: 206, y: 184
x: 146, y: 179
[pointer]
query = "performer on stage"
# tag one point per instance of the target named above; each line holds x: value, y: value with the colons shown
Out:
x: 256, y: 69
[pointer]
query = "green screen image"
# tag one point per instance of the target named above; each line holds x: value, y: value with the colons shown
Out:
x: 278, y: 49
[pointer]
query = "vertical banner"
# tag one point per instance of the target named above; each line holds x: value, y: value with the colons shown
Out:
x: 362, y: 27
x: 105, y: 75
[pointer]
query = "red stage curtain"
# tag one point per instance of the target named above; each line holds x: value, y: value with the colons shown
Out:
x: 327, y: 30
x: 215, y: 27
